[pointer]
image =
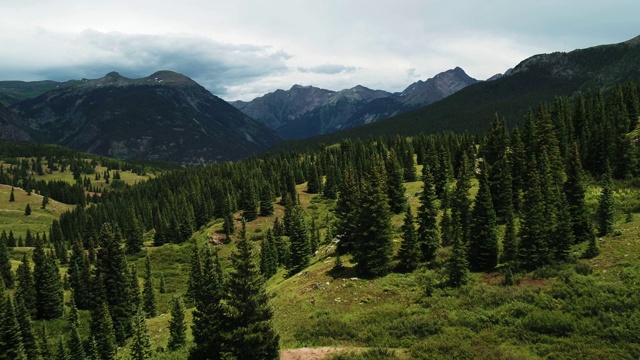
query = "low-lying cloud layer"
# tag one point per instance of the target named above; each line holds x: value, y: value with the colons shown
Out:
x: 245, y: 48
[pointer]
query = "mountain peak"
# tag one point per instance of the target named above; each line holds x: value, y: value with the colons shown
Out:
x: 168, y: 76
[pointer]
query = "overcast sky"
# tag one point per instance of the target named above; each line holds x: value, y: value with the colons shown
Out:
x: 242, y: 49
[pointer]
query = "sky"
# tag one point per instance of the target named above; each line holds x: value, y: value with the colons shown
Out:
x: 242, y: 49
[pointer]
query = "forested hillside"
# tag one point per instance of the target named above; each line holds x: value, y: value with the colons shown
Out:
x: 518, y: 242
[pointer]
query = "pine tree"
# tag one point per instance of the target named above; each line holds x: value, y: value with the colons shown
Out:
x: 510, y: 240
x: 575, y: 193
x: 249, y: 202
x: 45, y: 201
x: 563, y: 235
x: 252, y: 335
x: 195, y: 276
x: 483, y: 240
x: 12, y: 197
x: 299, y: 243
x: 177, y: 326
x: 606, y: 204
x: 209, y: 320
x: 102, y: 332
x: 49, y: 301
x: 148, y: 294
x: 457, y: 265
x: 268, y: 256
x: 409, y: 254
x: 112, y: 272
x: 395, y: 185
x: 266, y: 201
x: 133, y: 234
x: 313, y: 185
x: 62, y: 353
x: 80, y: 276
x: 133, y: 289
x: 45, y: 348
x: 73, y: 318
x: 347, y: 212
x: 460, y: 203
x: 163, y: 285
x: 533, y: 250
x: 373, y: 244
x: 5, y: 266
x: 27, y: 210
x: 92, y: 349
x: 76, y: 349
x: 428, y: 238
x: 141, y: 341
x: 11, y: 336
x: 29, y: 342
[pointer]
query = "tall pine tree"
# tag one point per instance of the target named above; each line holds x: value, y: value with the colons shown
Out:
x: 483, y: 240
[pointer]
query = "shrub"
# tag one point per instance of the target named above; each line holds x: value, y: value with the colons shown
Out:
x: 549, y: 322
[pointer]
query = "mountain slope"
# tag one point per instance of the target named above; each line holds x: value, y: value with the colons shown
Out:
x: 8, y: 130
x: 165, y: 116
x: 537, y: 79
x: 12, y: 92
x: 307, y: 111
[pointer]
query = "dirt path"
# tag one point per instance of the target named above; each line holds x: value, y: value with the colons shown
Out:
x: 309, y: 353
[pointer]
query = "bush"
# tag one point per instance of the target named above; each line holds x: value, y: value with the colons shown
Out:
x: 549, y: 322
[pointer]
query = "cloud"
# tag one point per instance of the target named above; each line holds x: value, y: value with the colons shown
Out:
x: 92, y: 54
x: 328, y: 69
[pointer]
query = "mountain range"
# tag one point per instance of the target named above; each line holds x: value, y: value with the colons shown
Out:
x: 305, y: 111
x: 165, y: 116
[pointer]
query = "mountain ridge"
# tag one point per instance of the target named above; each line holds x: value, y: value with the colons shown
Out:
x: 164, y: 116
x: 321, y: 111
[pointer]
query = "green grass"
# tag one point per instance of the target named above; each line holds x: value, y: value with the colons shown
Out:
x: 12, y: 215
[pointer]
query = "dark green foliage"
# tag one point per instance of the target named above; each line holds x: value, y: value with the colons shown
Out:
x: 195, y: 275
x: 113, y: 275
x: 575, y: 193
x: 5, y: 266
x: 268, y: 256
x: 251, y: 334
x: 461, y: 204
x: 428, y: 237
x: 133, y: 233
x: 140, y: 341
x: 563, y: 235
x: 177, y: 326
x: 49, y: 302
x: 373, y: 243
x: 11, y: 345
x: 12, y: 197
x: 606, y: 204
x: 148, y: 294
x: 299, y: 244
x: 45, y: 201
x: 62, y: 353
x: 133, y: 290
x: 395, y: 185
x: 27, y: 210
x: 483, y: 240
x: 266, y: 201
x: 346, y: 213
x: 72, y: 317
x: 457, y: 265
x: 209, y: 320
x: 533, y: 249
x: 102, y: 332
x: 29, y: 341
x: 45, y: 348
x: 592, y: 249
x: 315, y: 182
x: 409, y: 254
x: 80, y: 276
x: 76, y: 348
x: 510, y: 240
x: 163, y: 285
x: 249, y: 202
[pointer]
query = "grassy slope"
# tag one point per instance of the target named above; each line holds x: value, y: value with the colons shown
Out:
x: 12, y: 213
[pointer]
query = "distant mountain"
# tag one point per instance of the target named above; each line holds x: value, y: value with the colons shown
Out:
x: 537, y: 79
x: 165, y: 116
x: 12, y: 92
x: 8, y: 129
x: 308, y: 111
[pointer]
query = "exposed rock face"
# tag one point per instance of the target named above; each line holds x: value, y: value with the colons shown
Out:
x: 165, y: 116
x: 307, y: 111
